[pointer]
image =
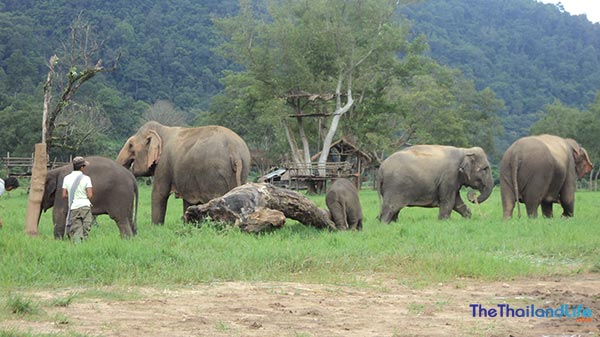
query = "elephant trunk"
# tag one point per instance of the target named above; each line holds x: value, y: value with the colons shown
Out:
x: 124, y: 157
x: 485, y: 191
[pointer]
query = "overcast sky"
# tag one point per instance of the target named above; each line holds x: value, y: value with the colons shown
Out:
x: 591, y: 8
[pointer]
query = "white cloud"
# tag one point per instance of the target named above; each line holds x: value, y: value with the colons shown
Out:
x: 591, y: 8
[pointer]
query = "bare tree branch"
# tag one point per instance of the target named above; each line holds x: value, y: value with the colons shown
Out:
x: 81, y: 48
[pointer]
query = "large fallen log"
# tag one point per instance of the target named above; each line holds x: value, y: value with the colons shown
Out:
x: 258, y: 207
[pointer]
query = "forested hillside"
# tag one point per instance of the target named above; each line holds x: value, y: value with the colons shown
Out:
x: 166, y: 55
x: 528, y: 54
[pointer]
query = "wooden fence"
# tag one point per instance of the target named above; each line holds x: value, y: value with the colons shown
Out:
x: 21, y: 166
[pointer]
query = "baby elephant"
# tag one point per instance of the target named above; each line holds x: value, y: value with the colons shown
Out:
x: 344, y: 205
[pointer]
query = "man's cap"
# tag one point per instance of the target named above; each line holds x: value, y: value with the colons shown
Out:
x: 79, y: 161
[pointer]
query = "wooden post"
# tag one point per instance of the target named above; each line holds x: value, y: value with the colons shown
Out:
x: 7, y: 164
x: 36, y: 191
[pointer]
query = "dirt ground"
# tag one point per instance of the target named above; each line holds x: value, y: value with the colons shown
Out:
x: 384, y: 308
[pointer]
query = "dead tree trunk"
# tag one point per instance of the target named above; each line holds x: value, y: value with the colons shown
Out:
x: 258, y: 207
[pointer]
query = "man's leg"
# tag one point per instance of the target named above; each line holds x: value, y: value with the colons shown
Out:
x: 87, y: 219
x: 76, y: 230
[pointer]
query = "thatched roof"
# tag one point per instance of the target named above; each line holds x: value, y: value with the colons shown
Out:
x: 345, y: 147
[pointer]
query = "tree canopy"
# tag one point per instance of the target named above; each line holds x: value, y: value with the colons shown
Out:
x: 359, y: 52
x: 458, y: 66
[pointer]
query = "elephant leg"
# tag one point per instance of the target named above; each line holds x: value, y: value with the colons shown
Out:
x: 446, y: 206
x: 354, y: 220
x: 160, y: 197
x: 532, y: 209
x: 568, y: 208
x: 567, y: 200
x: 389, y: 211
x: 389, y: 214
x: 547, y: 209
x: 460, y: 207
x: 358, y: 225
x: 185, y: 207
x: 59, y: 231
x: 59, y: 218
x: 338, y: 215
x: 508, y: 201
x: 125, y: 228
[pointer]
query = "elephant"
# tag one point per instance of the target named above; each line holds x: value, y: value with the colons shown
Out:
x: 432, y: 176
x: 198, y: 164
x: 344, y: 205
x: 115, y: 193
x: 541, y: 170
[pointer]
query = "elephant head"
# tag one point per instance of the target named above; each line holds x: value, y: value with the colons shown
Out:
x: 50, y: 190
x: 583, y: 165
x: 475, y: 172
x: 142, y: 151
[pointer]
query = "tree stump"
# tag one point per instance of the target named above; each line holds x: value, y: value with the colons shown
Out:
x: 258, y: 207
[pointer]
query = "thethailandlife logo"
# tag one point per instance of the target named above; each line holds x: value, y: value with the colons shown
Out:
x: 578, y: 312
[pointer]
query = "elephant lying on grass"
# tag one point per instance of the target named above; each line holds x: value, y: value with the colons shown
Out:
x: 432, y: 176
x: 115, y: 193
x: 542, y: 170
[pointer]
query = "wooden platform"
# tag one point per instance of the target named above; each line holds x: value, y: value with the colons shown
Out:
x: 303, y: 172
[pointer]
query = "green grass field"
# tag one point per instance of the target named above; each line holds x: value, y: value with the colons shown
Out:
x: 418, y: 250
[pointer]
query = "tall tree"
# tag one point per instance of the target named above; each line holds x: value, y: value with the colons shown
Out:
x: 301, y: 53
x: 81, y: 52
x: 80, y: 62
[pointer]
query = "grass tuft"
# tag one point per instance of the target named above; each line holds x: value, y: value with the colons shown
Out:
x: 20, y: 305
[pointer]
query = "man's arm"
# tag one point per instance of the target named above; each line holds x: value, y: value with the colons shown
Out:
x: 65, y: 194
x: 89, y: 192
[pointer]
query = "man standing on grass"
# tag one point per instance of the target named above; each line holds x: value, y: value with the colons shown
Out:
x: 77, y: 187
x: 7, y: 185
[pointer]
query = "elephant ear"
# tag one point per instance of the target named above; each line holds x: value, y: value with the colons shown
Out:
x: 466, y: 165
x: 583, y: 165
x: 154, y: 149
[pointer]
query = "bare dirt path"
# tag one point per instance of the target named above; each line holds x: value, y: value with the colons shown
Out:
x: 309, y: 310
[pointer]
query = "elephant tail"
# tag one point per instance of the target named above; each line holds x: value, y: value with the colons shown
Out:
x: 515, y: 182
x: 379, y: 193
x: 135, y: 210
x: 238, y: 167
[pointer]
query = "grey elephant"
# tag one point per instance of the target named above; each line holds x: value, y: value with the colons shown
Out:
x: 115, y: 193
x: 432, y: 176
x: 344, y: 205
x: 198, y: 164
x: 542, y: 170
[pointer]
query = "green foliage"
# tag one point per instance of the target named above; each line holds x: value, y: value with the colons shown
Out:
x: 560, y: 120
x: 401, y: 93
x: 291, y: 47
x: 530, y: 54
x: 583, y: 126
x: 166, y: 50
x: 523, y: 52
